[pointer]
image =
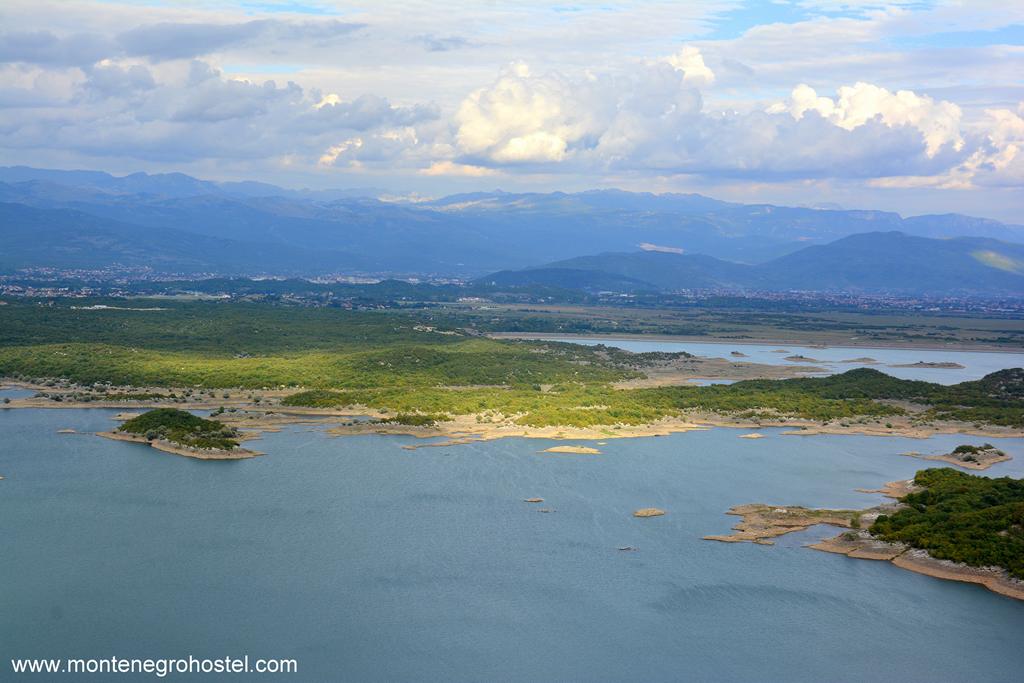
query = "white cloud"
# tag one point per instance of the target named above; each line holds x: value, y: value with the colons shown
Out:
x: 646, y: 118
x: 618, y: 92
x: 938, y: 122
x: 690, y: 61
x: 330, y: 157
x: 450, y: 168
x: 524, y: 118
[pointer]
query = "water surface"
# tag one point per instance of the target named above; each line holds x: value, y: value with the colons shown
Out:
x: 369, y: 562
x: 976, y: 364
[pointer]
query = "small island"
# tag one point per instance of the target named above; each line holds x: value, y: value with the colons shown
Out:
x: 177, y: 431
x: 967, y: 456
x: 940, y: 365
x: 946, y: 524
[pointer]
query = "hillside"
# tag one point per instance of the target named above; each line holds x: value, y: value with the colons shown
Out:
x: 465, y: 235
x: 68, y: 239
x: 869, y: 262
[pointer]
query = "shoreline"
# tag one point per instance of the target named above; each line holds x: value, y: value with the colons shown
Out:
x: 178, y: 449
x: 950, y: 459
x: 259, y: 410
x: 962, y: 346
x: 760, y: 523
x: 466, y: 428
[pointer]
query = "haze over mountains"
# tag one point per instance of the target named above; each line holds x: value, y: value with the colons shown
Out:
x: 173, y: 223
x: 874, y: 262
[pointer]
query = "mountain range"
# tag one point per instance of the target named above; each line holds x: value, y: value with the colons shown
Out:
x: 177, y: 224
x: 874, y: 262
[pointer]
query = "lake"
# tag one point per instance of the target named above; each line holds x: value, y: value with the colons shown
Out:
x: 976, y: 364
x: 367, y: 562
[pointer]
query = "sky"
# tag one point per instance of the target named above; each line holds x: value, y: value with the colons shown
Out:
x: 913, y: 106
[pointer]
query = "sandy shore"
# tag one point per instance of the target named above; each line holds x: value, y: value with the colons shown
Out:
x: 268, y: 416
x: 263, y: 413
x: 178, y: 449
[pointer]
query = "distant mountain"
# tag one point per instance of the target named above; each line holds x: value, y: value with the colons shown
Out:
x: 567, y: 278
x: 168, y: 184
x: 893, y: 261
x: 871, y: 262
x: 465, y: 235
x: 67, y: 239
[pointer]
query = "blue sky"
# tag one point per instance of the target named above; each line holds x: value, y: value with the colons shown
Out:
x: 908, y: 106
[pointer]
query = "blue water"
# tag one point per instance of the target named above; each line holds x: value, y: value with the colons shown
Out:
x: 367, y: 562
x: 976, y: 364
x: 15, y: 392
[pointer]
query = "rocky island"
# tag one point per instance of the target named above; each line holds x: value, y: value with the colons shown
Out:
x: 967, y: 456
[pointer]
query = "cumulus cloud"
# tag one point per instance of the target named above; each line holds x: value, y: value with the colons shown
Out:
x: 364, y: 112
x: 690, y: 61
x: 147, y: 88
x: 524, y: 118
x: 107, y: 79
x: 938, y: 122
x: 380, y: 147
x: 191, y: 111
x: 650, y: 118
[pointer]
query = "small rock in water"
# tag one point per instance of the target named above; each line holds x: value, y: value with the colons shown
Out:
x: 648, y: 512
x: 583, y: 450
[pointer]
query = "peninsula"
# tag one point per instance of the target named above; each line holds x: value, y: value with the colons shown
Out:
x: 943, y: 523
x: 408, y: 373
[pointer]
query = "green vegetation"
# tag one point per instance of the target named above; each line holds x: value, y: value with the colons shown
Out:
x: 968, y: 453
x: 416, y: 419
x: 961, y: 517
x: 183, y: 428
x: 415, y: 365
x: 318, y: 398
